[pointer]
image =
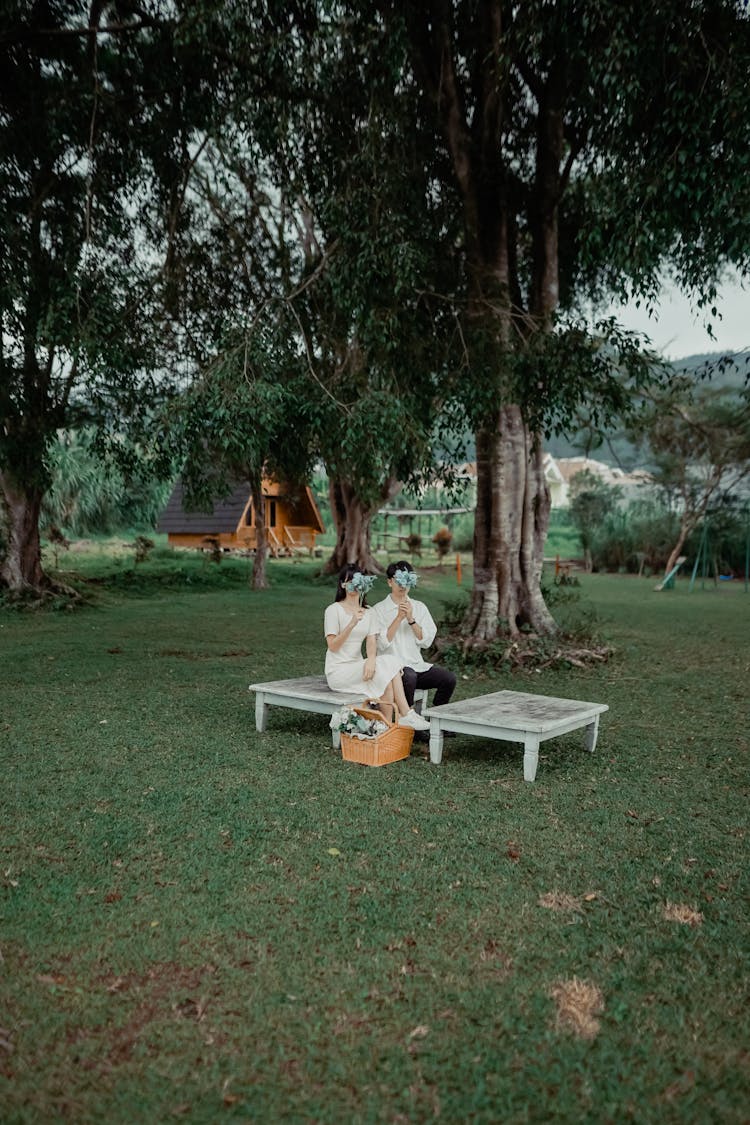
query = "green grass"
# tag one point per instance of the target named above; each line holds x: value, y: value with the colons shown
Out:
x: 202, y: 922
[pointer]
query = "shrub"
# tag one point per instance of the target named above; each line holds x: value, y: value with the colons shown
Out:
x: 629, y: 539
x: 442, y: 540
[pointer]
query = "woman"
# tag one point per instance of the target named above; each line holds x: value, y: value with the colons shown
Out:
x: 347, y: 623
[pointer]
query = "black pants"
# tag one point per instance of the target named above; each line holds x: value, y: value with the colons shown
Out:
x: 435, y: 677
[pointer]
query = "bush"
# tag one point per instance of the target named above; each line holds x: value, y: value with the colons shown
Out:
x: 727, y: 530
x: 442, y: 540
x: 630, y: 539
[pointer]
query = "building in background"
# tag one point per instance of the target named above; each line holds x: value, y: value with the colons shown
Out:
x: 292, y: 520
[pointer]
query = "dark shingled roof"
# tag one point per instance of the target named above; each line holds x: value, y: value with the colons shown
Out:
x: 224, y: 516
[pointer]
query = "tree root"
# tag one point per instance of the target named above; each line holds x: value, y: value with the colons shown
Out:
x: 529, y: 652
x: 51, y: 595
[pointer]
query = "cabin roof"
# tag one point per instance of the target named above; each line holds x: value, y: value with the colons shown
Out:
x: 224, y: 515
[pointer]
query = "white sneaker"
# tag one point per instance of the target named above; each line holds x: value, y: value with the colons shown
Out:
x: 413, y: 720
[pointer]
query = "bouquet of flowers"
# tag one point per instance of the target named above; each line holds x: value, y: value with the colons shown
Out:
x: 349, y: 722
x: 406, y: 579
x: 362, y: 583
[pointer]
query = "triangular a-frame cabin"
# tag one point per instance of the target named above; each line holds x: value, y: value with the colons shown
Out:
x: 292, y: 520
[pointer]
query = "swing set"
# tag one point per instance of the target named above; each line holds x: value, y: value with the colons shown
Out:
x: 705, y: 559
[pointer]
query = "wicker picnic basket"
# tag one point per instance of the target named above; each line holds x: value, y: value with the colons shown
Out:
x: 390, y: 746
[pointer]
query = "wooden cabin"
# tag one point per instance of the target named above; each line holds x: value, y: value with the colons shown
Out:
x: 292, y: 520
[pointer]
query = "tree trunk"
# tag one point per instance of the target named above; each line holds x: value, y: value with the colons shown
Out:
x: 676, y: 551
x: 352, y: 519
x: 21, y: 567
x: 259, y: 579
x: 512, y: 515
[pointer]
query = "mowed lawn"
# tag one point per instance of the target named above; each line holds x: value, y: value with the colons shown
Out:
x: 207, y: 924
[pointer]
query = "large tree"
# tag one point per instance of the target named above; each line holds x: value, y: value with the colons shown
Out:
x: 102, y: 109
x: 74, y: 306
x: 313, y: 216
x: 579, y: 141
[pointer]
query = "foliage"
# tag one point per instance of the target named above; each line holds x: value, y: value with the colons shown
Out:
x: 91, y: 491
x: 699, y: 439
x: 95, y: 126
x: 592, y: 500
x: 237, y: 419
x: 728, y: 539
x: 634, y: 537
x: 253, y: 201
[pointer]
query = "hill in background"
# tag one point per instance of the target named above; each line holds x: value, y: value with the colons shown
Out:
x: 615, y: 449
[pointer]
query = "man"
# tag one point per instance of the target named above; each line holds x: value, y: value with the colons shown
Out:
x: 407, y: 627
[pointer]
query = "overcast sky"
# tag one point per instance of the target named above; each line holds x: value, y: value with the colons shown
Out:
x: 677, y: 331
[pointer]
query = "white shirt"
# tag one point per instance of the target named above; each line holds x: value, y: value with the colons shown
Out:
x: 404, y: 644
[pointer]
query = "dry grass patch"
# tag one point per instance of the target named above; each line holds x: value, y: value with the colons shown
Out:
x: 578, y: 1002
x: 681, y: 912
x: 560, y: 901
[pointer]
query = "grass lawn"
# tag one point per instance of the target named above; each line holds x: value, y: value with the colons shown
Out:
x: 204, y: 923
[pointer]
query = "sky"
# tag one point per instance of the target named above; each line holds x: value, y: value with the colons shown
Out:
x: 677, y: 331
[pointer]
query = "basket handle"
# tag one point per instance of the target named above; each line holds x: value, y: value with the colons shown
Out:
x: 373, y: 713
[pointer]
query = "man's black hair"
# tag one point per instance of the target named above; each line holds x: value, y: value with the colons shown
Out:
x: 402, y: 564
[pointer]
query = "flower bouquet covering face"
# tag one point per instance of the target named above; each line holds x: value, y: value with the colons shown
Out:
x: 406, y: 579
x: 360, y: 583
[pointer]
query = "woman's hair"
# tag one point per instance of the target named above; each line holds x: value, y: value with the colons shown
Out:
x: 344, y: 576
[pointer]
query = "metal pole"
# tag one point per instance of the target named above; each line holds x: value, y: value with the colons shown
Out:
x: 698, y: 558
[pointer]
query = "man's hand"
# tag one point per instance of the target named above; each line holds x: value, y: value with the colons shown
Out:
x: 369, y: 671
x: 404, y: 610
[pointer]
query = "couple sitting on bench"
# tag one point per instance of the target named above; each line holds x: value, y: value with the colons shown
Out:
x: 395, y: 631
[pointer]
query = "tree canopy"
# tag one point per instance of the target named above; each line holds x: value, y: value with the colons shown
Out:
x: 399, y: 212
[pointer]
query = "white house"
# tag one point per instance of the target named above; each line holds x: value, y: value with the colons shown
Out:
x: 560, y: 471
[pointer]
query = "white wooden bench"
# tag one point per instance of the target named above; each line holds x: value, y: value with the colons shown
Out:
x: 307, y: 693
x: 514, y: 716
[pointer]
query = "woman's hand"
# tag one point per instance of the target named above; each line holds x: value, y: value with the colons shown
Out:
x: 369, y: 671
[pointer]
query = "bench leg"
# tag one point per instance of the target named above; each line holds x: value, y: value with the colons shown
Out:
x: 336, y: 739
x: 436, y: 742
x: 530, y: 756
x: 420, y: 698
x: 261, y: 711
x: 590, y: 735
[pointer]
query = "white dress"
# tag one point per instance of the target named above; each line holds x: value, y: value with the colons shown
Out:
x: 344, y: 668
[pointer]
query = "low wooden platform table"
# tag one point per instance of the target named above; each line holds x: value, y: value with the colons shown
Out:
x: 514, y: 716
x: 307, y: 693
